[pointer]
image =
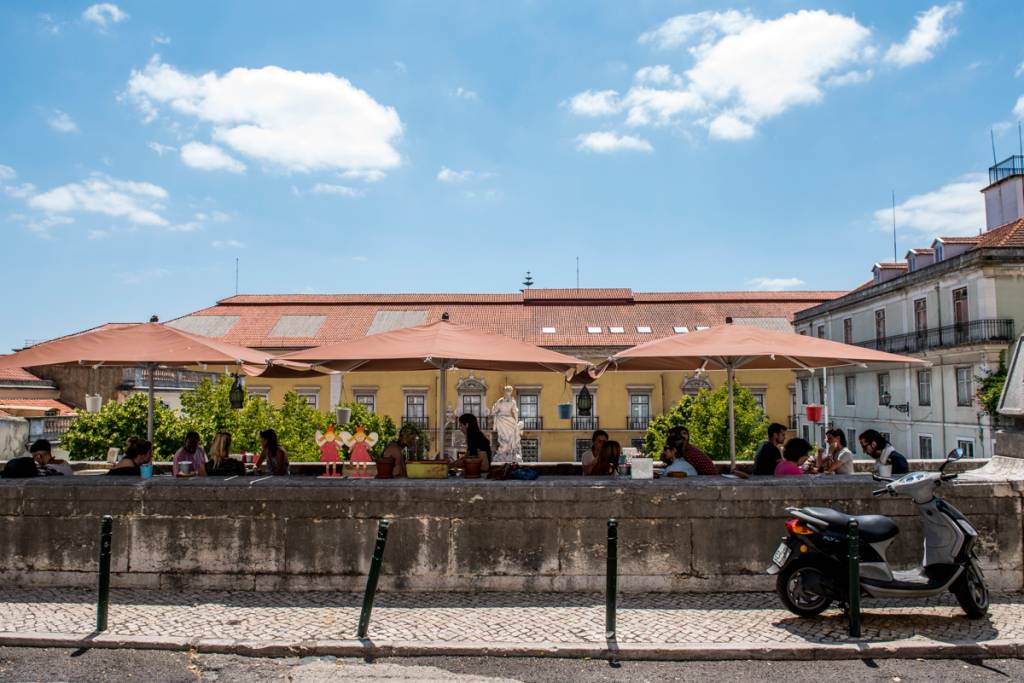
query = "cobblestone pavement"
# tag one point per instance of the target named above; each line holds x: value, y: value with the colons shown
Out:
x: 517, y: 618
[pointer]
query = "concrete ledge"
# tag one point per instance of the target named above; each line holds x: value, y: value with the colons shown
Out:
x: 900, y: 649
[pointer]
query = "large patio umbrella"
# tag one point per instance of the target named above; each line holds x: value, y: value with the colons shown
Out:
x: 442, y: 345
x: 732, y: 347
x: 149, y: 345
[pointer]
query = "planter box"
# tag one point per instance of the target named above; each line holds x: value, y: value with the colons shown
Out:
x: 426, y: 470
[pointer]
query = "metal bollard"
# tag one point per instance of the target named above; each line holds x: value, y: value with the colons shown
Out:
x: 854, y: 537
x: 371, y: 580
x: 103, y: 589
x: 612, y: 577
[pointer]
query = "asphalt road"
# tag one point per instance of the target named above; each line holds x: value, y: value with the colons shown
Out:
x: 52, y: 665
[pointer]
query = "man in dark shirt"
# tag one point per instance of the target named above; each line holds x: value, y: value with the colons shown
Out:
x: 876, y: 445
x: 768, y: 453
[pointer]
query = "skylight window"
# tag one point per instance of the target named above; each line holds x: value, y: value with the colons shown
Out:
x: 616, y: 330
x: 594, y: 330
x: 547, y: 330
x: 643, y: 329
x: 702, y: 327
x: 681, y: 329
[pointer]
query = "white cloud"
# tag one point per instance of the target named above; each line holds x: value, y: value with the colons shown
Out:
x: 745, y: 70
x: 367, y: 176
x: 1019, y: 71
x: 159, y: 148
x: 774, y: 284
x: 216, y: 216
x: 50, y: 25
x: 42, y: 226
x: 104, y: 13
x: 853, y: 77
x: 465, y: 94
x: 360, y: 259
x: 62, y: 122
x: 595, y: 103
x: 680, y: 30
x: 99, y: 234
x: 447, y: 175
x: 605, y: 142
x: 209, y: 158
x: 340, y: 190
x: 161, y: 40
x: 930, y: 32
x: 139, y: 203
x: 226, y: 244
x: 188, y: 226
x: 313, y: 121
x: 399, y: 66
x: 956, y: 208
x: 7, y: 173
x: 1018, y: 109
x: 19, y: 191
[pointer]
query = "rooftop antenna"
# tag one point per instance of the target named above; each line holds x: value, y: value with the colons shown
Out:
x: 236, y: 276
x: 577, y: 272
x: 1020, y: 140
x: 992, y: 135
x: 528, y: 280
x: 894, y: 258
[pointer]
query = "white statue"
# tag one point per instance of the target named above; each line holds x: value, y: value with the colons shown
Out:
x: 508, y: 428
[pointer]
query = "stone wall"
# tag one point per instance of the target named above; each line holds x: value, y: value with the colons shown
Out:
x: 702, y: 534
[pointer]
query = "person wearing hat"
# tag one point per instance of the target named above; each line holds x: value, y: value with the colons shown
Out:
x: 42, y: 453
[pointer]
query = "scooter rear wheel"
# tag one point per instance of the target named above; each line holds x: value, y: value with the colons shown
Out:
x: 801, y: 586
x: 972, y: 593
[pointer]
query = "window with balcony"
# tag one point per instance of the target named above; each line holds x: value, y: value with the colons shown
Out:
x: 529, y: 411
x: 961, y: 327
x: 311, y: 395
x: 924, y: 446
x: 415, y: 410
x: 847, y: 330
x: 639, y: 410
x: 821, y: 331
x: 964, y: 387
x: 880, y: 325
x: 589, y: 422
x: 759, y: 398
x: 920, y: 315
x: 472, y: 404
x: 883, y: 388
x: 851, y: 390
x: 924, y: 387
x: 368, y: 400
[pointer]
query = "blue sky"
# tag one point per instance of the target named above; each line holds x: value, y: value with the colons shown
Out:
x: 412, y: 146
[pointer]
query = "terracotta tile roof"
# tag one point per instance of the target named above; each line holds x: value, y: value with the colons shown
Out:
x: 892, y: 266
x: 1007, y: 236
x: 17, y: 375
x: 585, y: 294
x: 12, y: 404
x: 923, y: 251
x: 350, y: 316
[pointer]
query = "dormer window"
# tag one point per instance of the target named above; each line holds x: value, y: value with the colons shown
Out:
x: 939, y: 255
x: 701, y: 328
x: 911, y: 263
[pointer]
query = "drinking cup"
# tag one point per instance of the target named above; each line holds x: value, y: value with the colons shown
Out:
x: 185, y: 468
x: 146, y: 470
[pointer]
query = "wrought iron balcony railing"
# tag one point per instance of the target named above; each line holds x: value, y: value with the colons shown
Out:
x: 637, y: 424
x: 585, y: 424
x: 51, y: 428
x: 947, y: 336
x: 534, y: 424
x: 421, y: 421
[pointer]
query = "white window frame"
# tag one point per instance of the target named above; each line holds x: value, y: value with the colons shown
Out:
x: 962, y: 441
x: 969, y: 383
x: 927, y: 372
x: 931, y: 446
x: 261, y: 390
x: 406, y: 395
x: 306, y: 392
x: 849, y: 383
x: 643, y: 329
x: 805, y: 389
x: 887, y: 389
x: 681, y: 329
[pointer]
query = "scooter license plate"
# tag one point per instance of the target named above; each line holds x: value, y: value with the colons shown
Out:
x: 781, y: 555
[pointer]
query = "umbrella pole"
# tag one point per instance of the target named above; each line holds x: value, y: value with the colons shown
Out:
x: 150, y: 378
x: 730, y: 373
x: 442, y: 397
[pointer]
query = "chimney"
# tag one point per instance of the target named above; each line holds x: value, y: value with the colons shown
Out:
x: 1004, y: 196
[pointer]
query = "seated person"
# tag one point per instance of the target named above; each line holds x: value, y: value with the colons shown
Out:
x: 477, y: 444
x: 693, y: 455
x: 590, y: 459
x: 768, y: 453
x: 137, y: 452
x: 273, y: 458
x: 840, y: 458
x: 38, y: 463
x: 876, y: 445
x: 221, y: 463
x: 794, y: 455
x: 607, y: 460
x: 191, y: 452
x: 675, y: 465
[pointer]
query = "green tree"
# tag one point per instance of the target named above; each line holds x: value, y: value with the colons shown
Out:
x: 709, y: 422
x: 383, y: 425
x: 657, y: 429
x: 990, y: 388
x: 296, y: 423
x: 91, y: 434
x: 206, y: 409
x: 253, y: 418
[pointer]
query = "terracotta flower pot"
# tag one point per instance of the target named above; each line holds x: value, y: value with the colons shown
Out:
x: 386, y: 468
x: 472, y: 467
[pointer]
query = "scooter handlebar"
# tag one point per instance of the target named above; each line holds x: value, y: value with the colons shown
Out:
x: 876, y: 477
x: 948, y: 477
x: 880, y: 492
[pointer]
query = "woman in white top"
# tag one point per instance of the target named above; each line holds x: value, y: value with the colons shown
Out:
x: 840, y: 458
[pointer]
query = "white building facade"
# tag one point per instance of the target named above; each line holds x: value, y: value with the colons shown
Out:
x: 956, y: 305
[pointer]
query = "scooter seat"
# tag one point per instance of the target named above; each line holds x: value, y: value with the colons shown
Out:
x: 873, y: 528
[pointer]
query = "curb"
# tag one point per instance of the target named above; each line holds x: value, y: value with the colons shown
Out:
x: 906, y: 649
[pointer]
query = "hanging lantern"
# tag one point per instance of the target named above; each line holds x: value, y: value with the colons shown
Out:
x: 237, y: 394
x: 584, y: 403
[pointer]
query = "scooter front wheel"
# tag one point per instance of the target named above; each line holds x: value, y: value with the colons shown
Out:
x: 972, y: 593
x: 803, y: 587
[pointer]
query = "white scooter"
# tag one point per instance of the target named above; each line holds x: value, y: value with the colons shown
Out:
x: 812, y: 561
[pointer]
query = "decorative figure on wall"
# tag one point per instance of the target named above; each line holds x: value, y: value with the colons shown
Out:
x: 330, y: 450
x: 508, y: 428
x: 359, y: 445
